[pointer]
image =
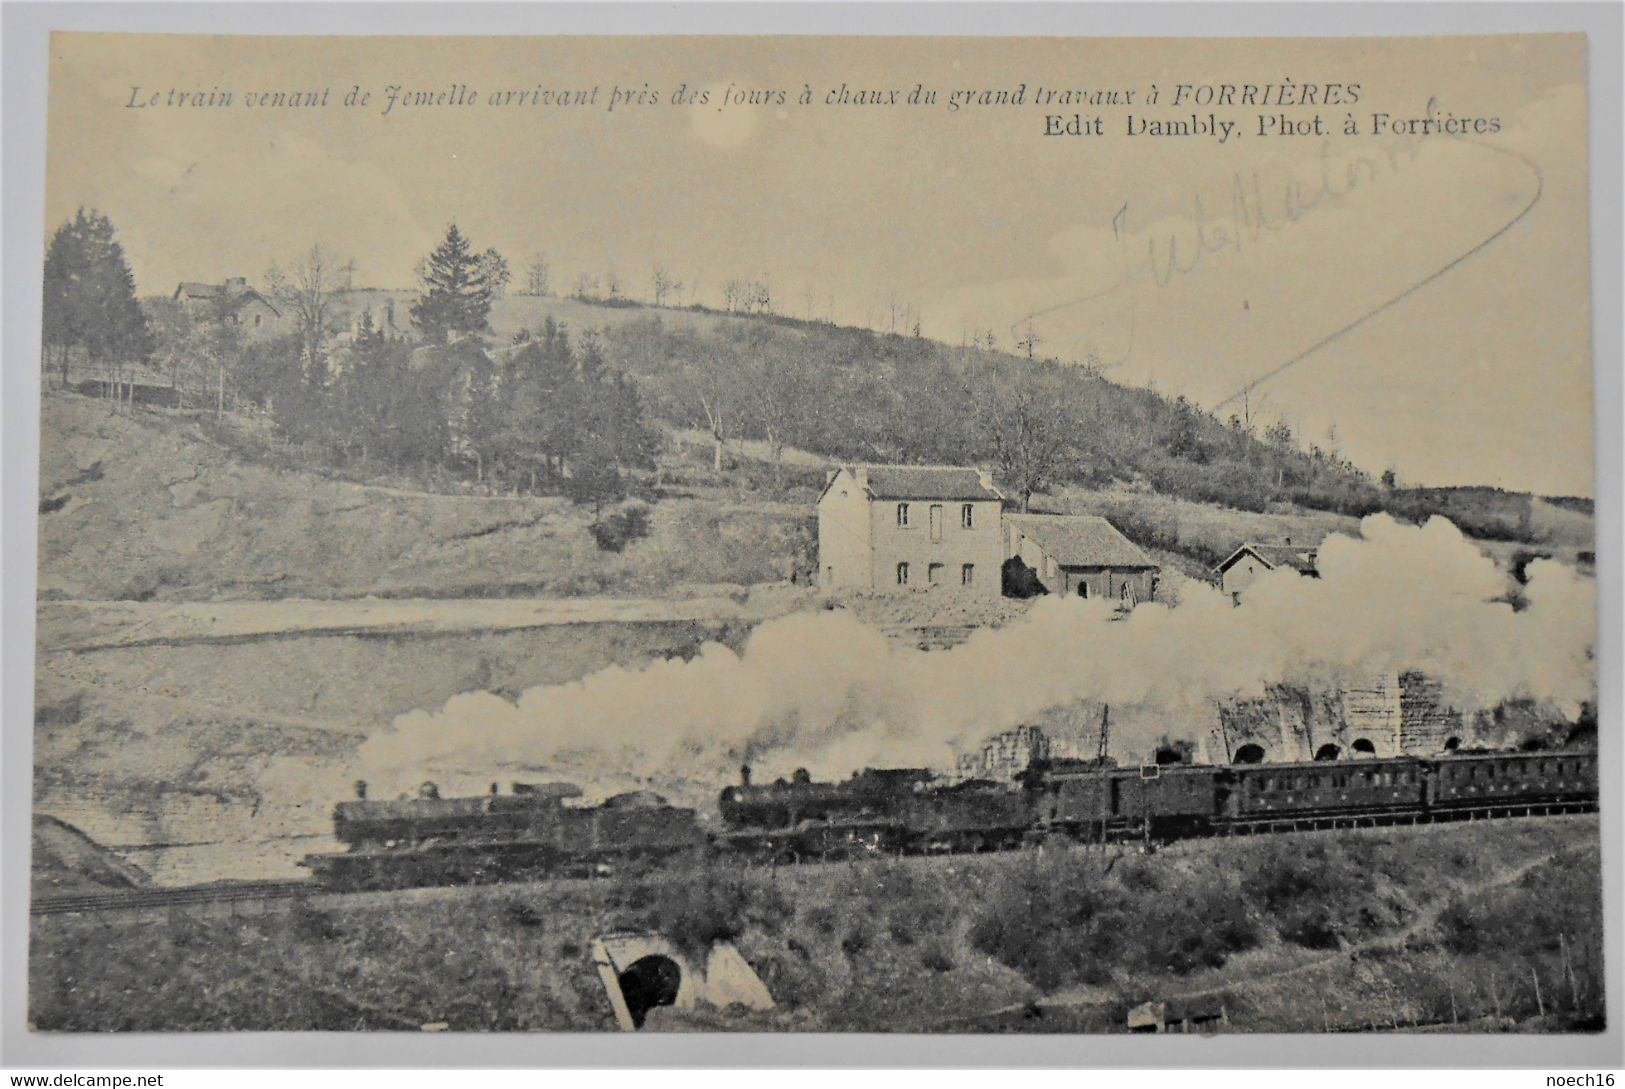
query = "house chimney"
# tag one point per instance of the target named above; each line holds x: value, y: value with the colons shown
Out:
x: 235, y: 284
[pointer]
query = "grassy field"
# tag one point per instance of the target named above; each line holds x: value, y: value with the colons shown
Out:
x: 1444, y: 926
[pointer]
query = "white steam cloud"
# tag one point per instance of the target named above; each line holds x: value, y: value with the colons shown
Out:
x: 824, y: 690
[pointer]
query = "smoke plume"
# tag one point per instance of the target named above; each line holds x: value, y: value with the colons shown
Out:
x: 823, y: 690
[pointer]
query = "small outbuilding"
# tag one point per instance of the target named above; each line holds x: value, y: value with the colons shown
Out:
x: 1079, y: 555
x: 1251, y: 561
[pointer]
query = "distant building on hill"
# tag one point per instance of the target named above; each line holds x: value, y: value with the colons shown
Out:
x: 1080, y: 555
x: 1249, y: 562
x: 908, y: 528
x: 232, y: 302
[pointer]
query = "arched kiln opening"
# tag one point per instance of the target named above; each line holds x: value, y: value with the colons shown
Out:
x: 1365, y: 747
x: 1328, y: 752
x: 1250, y: 754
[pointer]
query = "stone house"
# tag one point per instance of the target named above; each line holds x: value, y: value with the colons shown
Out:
x: 910, y: 528
x: 234, y: 303
x: 1081, y: 555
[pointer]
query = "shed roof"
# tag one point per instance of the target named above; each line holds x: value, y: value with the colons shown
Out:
x: 1297, y: 557
x: 924, y: 482
x: 1080, y: 540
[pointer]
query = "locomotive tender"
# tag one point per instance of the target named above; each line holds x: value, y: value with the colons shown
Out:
x: 534, y: 832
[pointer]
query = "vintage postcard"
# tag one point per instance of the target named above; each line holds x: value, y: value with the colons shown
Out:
x: 784, y: 534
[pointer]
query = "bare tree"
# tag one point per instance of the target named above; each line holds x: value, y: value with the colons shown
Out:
x: 306, y: 289
x: 495, y: 272
x: 761, y: 296
x: 536, y: 276
x: 1029, y: 341
x: 663, y: 284
x: 711, y: 374
x: 776, y: 389
x: 1025, y: 427
x: 612, y: 283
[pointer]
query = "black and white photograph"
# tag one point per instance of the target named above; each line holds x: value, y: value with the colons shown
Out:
x: 803, y: 534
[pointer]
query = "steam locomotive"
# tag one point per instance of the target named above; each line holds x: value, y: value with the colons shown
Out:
x: 529, y: 834
x: 534, y: 832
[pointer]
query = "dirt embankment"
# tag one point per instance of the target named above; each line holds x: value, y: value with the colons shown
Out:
x: 65, y: 860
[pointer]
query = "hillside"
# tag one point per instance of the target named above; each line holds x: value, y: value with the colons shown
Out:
x: 156, y: 506
x: 854, y: 393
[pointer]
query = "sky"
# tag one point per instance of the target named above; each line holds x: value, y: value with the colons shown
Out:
x: 1415, y: 302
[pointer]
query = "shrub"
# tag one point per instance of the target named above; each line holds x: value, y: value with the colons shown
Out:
x: 1055, y: 920
x: 615, y: 531
x: 1198, y: 924
x: 1308, y: 889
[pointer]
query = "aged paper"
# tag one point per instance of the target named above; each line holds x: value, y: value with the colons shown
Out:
x: 816, y: 534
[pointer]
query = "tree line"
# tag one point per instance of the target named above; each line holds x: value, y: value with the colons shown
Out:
x: 434, y: 399
x: 430, y: 395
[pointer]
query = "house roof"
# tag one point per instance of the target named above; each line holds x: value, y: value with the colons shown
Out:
x: 243, y: 298
x: 233, y: 294
x: 924, y: 482
x: 1080, y: 540
x: 1297, y: 557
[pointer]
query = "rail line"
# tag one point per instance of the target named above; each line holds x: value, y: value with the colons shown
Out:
x: 139, y: 899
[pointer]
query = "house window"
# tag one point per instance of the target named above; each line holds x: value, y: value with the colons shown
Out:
x: 902, y: 514
x: 902, y: 574
x: 967, y: 573
x: 1083, y: 589
x: 936, y: 521
x: 967, y: 516
x: 257, y: 318
x: 933, y: 574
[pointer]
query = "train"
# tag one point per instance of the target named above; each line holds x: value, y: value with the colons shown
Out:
x: 528, y: 834
x: 540, y: 831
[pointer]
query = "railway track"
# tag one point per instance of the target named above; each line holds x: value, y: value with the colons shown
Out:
x: 137, y: 899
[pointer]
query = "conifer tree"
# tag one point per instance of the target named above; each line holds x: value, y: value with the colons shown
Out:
x: 456, y: 300
x: 90, y: 298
